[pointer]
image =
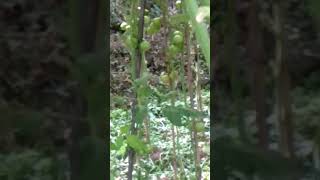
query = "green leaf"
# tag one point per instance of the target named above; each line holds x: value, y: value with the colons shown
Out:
x: 124, y: 129
x: 113, y: 146
x: 43, y: 164
x: 143, y: 80
x: 178, y: 19
x: 164, y: 97
x: 205, y: 3
x: 138, y: 145
x: 144, y: 92
x: 119, y: 142
x: 175, y: 114
x: 313, y: 6
x: 199, y: 28
x: 142, y: 112
x: 123, y: 149
x: 118, y: 100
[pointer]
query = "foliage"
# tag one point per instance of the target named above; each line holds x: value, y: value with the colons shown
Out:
x: 160, y: 136
x: 158, y: 128
x: 306, y: 108
x: 244, y: 160
x: 31, y: 164
x: 198, y: 26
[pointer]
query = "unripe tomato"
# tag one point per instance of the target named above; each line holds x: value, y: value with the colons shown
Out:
x: 156, y: 27
x: 132, y: 42
x: 190, y: 126
x: 177, y: 39
x: 199, y: 127
x: 149, y: 31
x: 123, y: 25
x: 157, y: 21
x: 177, y: 33
x: 173, y: 75
x: 127, y: 27
x: 144, y: 46
x: 164, y: 79
x: 146, y: 19
x: 173, y: 50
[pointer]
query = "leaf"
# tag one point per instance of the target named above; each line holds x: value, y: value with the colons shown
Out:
x: 142, y: 80
x: 124, y: 129
x: 119, y: 142
x: 313, y: 7
x: 178, y: 19
x: 144, y: 92
x: 118, y: 100
x: 200, y: 29
x: 43, y: 164
x: 163, y: 97
x: 138, y: 145
x: 175, y: 114
x: 123, y: 149
x: 113, y: 146
x: 142, y: 112
x: 205, y: 2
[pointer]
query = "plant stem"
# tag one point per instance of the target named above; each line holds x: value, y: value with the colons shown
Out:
x: 199, y: 100
x: 190, y: 90
x: 138, y: 63
x: 168, y: 62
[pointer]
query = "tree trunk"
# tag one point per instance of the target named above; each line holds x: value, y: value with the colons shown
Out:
x: 257, y: 61
x: 282, y: 84
x: 231, y: 56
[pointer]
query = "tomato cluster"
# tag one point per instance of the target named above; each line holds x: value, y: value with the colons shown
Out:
x: 176, y: 43
x: 167, y: 79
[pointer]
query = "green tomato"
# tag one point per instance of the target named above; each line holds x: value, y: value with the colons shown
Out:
x: 146, y: 19
x: 149, y: 31
x: 173, y: 50
x: 177, y: 33
x: 132, y: 42
x: 164, y: 78
x: 127, y: 27
x: 157, y: 21
x: 177, y: 39
x: 123, y: 25
x: 144, y: 46
x: 173, y: 75
x: 200, y: 127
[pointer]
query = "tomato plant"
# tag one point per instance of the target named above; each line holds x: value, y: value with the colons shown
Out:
x: 157, y: 133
